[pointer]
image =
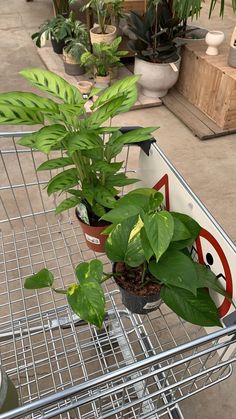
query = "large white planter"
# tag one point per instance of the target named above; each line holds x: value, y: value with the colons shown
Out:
x: 156, y: 79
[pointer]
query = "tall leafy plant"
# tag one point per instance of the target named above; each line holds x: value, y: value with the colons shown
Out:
x: 88, y: 172
x: 105, y: 10
x: 145, y: 236
x: 103, y: 57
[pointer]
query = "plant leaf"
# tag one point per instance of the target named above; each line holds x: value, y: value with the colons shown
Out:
x: 103, y: 113
x: 55, y: 163
x: 117, y: 242
x: 52, y: 83
x: 16, y: 115
x: 147, y: 248
x: 104, y: 197
x: 180, y: 230
x: 159, y: 228
x: 120, y: 180
x: 120, y: 213
x: 47, y: 137
x: 192, y: 226
x: 207, y: 279
x: 200, y: 309
x: 89, y: 271
x: 83, y: 141
x: 42, y: 279
x: 175, y: 269
x: 87, y: 301
x: 28, y: 100
x: 67, y: 204
x: 63, y: 181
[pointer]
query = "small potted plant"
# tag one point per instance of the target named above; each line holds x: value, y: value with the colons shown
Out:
x: 87, y: 171
x: 102, y: 61
x: 156, y: 58
x: 102, y: 32
x: 75, y: 47
x: 57, y: 29
x: 150, y: 249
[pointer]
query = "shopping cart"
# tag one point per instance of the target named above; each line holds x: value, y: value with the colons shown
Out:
x: 135, y: 366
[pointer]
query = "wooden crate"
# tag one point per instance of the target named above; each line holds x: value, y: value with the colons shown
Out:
x: 209, y: 83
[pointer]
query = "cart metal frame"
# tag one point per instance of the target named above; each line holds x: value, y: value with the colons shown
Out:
x: 135, y: 367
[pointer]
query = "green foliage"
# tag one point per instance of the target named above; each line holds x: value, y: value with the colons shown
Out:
x: 105, y: 10
x: 87, y: 145
x: 42, y: 279
x: 103, y: 57
x: 143, y: 234
x: 58, y: 28
x: 78, y: 42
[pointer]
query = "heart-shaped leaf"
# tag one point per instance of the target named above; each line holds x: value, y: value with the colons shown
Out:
x: 159, y: 228
x: 42, y: 279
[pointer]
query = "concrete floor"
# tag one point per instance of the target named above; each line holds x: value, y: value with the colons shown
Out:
x: 208, y: 167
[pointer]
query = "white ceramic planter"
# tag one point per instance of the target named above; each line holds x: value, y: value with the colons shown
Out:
x: 214, y: 39
x: 156, y: 79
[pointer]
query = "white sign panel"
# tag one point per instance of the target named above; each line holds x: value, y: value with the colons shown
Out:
x: 213, y: 247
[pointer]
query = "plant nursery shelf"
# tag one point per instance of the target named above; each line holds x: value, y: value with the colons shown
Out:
x: 199, y: 123
x: 208, y: 83
x: 54, y: 63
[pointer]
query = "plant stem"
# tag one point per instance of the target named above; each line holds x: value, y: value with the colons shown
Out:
x: 144, y: 272
x: 59, y: 291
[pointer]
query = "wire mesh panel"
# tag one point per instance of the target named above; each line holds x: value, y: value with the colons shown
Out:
x: 134, y: 367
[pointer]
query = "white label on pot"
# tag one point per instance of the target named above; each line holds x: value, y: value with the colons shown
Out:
x: 92, y: 239
x: 154, y: 304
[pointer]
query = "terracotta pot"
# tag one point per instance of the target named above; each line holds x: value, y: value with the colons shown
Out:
x: 85, y: 87
x: 97, y: 37
x: 93, y: 237
x: 156, y: 78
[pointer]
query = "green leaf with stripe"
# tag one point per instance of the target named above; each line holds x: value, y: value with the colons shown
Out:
x: 103, y: 166
x: 28, y: 100
x: 67, y: 204
x: 104, y: 197
x: 83, y: 141
x: 50, y: 82
x: 136, y: 135
x: 55, y: 163
x: 28, y: 140
x: 49, y: 136
x: 103, y: 113
x: 16, y: 115
x: 63, y: 181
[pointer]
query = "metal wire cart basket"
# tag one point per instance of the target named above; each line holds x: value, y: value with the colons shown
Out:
x: 136, y: 366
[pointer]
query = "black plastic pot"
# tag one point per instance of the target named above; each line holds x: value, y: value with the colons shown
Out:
x: 139, y: 304
x: 57, y: 46
x: 8, y: 393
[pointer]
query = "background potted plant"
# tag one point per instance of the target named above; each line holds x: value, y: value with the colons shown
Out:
x: 76, y: 45
x: 102, y: 60
x: 103, y: 31
x: 87, y: 171
x: 150, y: 249
x: 156, y: 56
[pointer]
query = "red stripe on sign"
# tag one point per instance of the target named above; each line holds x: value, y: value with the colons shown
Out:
x: 164, y: 181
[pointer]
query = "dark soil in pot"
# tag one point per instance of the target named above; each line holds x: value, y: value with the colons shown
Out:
x: 137, y: 298
x: 95, y: 240
x: 57, y: 45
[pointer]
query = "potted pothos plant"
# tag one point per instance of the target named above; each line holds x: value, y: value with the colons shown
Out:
x: 102, y: 61
x: 103, y: 31
x: 75, y: 46
x: 88, y: 173
x: 150, y: 251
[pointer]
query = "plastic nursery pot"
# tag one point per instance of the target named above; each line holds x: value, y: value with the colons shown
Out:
x: 138, y: 304
x: 57, y: 46
x: 8, y: 393
x: 97, y: 37
x: 94, y: 238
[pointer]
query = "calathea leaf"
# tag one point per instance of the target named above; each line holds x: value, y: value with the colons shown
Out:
x: 83, y: 141
x: 28, y: 140
x: 42, y: 279
x: 175, y: 269
x: 98, y: 209
x: 120, y: 180
x: 67, y: 204
x: 28, y: 100
x: 55, y: 163
x: 16, y: 115
x: 52, y: 83
x: 87, y: 301
x: 103, y: 113
x: 104, y: 197
x: 199, y: 309
x: 63, y: 181
x: 159, y: 228
x: 136, y: 135
x: 103, y: 166
x: 47, y: 137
